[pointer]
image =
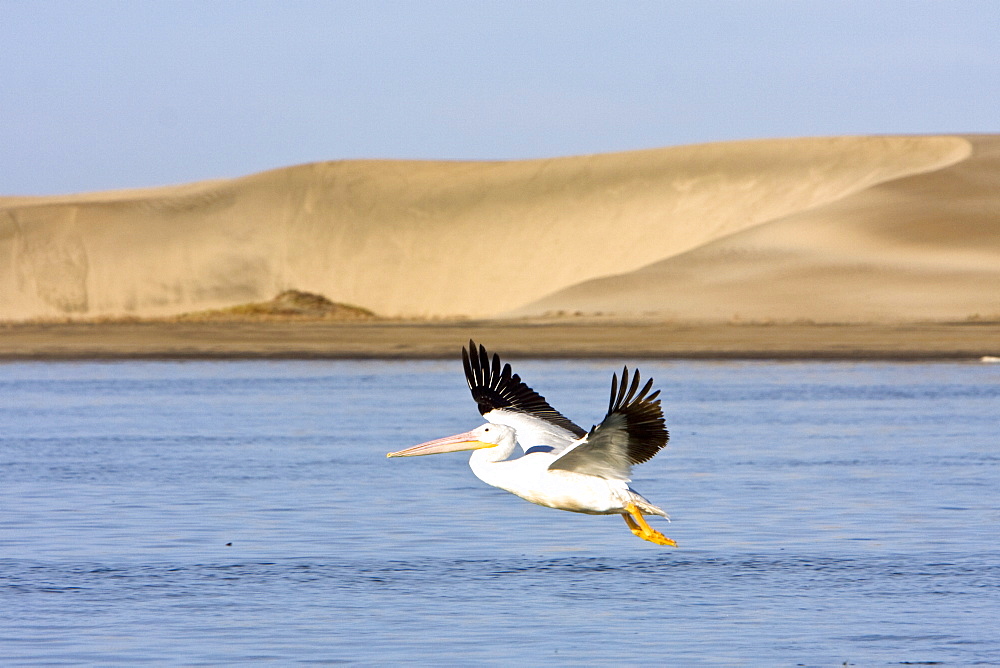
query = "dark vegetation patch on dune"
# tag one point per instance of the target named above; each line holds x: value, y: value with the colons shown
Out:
x: 290, y: 304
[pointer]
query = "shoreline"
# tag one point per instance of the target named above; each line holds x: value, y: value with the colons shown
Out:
x: 316, y: 339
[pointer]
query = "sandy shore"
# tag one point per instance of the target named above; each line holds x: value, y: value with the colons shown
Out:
x: 389, y: 340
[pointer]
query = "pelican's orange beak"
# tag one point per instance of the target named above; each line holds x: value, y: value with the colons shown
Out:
x: 465, y: 441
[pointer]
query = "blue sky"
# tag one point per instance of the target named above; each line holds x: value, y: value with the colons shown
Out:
x: 107, y: 95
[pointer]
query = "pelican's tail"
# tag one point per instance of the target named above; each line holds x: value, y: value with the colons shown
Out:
x: 644, y: 505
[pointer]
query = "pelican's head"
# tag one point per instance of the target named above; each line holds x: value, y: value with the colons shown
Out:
x: 485, y: 436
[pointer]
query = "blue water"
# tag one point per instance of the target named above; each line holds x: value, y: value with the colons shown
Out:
x: 212, y: 513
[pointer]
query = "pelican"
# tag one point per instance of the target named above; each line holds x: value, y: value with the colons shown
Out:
x: 563, y: 466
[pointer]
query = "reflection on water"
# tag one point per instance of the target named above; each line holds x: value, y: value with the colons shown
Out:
x: 230, y: 512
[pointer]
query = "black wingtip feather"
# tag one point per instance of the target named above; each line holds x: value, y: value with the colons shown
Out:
x: 645, y: 425
x: 494, y: 386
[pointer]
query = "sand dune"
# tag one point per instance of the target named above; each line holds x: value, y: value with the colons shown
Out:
x: 842, y: 229
x: 917, y: 248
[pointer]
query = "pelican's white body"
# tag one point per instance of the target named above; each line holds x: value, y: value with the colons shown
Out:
x: 530, y: 478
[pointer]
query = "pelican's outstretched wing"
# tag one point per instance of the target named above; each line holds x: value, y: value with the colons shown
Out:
x: 631, y: 433
x: 503, y: 398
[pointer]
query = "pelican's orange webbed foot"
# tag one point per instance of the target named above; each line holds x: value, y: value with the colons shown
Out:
x: 637, y: 524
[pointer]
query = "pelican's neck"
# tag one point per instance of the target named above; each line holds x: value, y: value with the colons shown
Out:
x: 492, y: 466
x: 482, y: 459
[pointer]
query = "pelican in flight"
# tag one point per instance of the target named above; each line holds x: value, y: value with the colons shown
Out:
x: 563, y: 465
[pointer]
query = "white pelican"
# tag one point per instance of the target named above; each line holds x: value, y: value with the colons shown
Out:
x: 563, y: 466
